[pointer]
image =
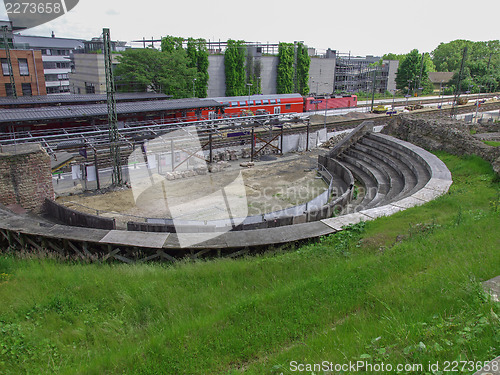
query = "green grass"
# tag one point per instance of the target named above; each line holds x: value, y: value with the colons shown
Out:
x: 399, y: 290
x: 492, y: 143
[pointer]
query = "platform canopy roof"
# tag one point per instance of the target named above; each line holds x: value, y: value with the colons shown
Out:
x: 101, y: 110
x: 78, y: 98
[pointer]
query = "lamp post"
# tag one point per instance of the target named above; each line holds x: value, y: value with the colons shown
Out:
x: 326, y: 109
x: 477, y: 103
x: 194, y: 80
x: 249, y: 85
x: 441, y: 94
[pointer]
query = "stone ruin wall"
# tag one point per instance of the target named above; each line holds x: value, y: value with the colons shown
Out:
x: 441, y: 133
x: 25, y: 177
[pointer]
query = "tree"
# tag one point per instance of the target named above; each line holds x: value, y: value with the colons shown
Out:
x: 303, y: 64
x: 234, y: 63
x: 171, y: 43
x: 284, y: 79
x: 393, y: 56
x: 482, y: 67
x: 198, y: 58
x: 150, y: 69
x: 412, y: 74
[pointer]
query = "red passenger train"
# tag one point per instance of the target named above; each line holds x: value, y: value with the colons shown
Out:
x: 34, y: 114
x: 283, y: 103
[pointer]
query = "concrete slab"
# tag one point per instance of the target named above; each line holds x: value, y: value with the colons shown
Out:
x: 17, y: 209
x: 140, y: 239
x: 376, y: 212
x: 304, y: 231
x: 493, y: 287
x: 427, y: 195
x: 74, y: 233
x: 439, y: 184
x: 207, y: 241
x: 338, y: 222
x: 258, y: 237
x: 408, y: 202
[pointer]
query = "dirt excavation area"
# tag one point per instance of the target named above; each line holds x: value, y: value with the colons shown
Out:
x: 266, y: 186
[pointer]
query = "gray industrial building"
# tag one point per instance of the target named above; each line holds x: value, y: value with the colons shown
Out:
x: 321, y: 71
x: 329, y: 72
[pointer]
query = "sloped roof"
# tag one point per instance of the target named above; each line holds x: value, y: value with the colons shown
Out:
x: 79, y: 98
x: 97, y: 110
x: 438, y: 77
x: 48, y: 42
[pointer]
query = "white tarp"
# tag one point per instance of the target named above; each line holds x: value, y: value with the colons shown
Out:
x: 291, y: 143
x: 151, y: 161
x: 322, y: 136
x: 76, y: 172
x: 91, y: 175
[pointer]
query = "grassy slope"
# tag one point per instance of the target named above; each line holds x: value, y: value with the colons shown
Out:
x: 404, y: 289
x: 492, y: 143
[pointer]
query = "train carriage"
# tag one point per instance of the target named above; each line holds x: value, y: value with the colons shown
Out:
x: 254, y: 104
x: 319, y: 103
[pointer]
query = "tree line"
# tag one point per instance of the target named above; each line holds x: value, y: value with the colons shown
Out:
x: 181, y: 69
x: 174, y: 70
x: 481, y: 72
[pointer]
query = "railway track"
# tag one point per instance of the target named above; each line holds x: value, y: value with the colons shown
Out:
x: 220, y: 133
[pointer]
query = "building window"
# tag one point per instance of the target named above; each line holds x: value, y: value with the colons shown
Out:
x: 27, y: 89
x: 62, y: 65
x: 23, y: 67
x: 5, y: 67
x: 8, y: 90
x: 89, y: 88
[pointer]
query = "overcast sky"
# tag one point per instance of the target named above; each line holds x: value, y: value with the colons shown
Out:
x: 361, y: 27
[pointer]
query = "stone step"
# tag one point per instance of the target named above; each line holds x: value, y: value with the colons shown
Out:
x: 417, y: 160
x: 367, y: 180
x: 390, y: 183
x: 403, y: 175
x: 418, y: 166
x: 382, y: 181
x: 396, y: 178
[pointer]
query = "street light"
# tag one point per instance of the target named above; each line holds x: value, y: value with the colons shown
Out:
x: 477, y: 102
x: 194, y: 80
x: 441, y: 94
x: 249, y: 85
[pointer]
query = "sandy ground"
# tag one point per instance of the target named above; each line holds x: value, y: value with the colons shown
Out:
x: 266, y: 187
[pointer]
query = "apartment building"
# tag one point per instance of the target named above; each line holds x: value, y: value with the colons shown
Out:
x: 22, y: 70
x: 57, y: 58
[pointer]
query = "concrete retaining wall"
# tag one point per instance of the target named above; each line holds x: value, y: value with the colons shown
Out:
x: 74, y: 218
